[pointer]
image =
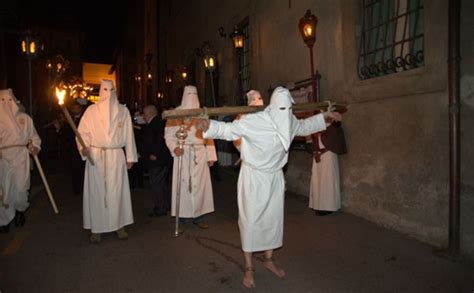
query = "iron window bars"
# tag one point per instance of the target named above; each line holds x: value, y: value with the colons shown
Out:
x: 392, y: 37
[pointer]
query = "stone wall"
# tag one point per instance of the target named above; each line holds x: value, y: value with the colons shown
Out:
x: 467, y: 129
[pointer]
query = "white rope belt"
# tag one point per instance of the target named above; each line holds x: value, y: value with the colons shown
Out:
x: 12, y: 146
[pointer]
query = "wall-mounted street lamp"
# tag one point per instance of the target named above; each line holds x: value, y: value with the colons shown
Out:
x: 209, y: 59
x: 238, y: 42
x: 237, y: 38
x: 307, y: 27
x: 169, y: 77
x: 160, y: 95
x: 148, y: 60
x: 168, y: 81
x: 184, y: 74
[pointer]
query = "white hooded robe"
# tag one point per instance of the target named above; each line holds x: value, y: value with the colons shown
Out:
x: 324, y: 191
x: 16, y: 129
x: 196, y: 197
x: 106, y: 129
x: 266, y: 137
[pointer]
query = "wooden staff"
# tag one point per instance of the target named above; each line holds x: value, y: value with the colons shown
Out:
x: 43, y: 177
x: 60, y: 95
x: 202, y: 112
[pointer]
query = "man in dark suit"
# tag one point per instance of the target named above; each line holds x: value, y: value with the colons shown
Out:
x: 68, y: 137
x: 158, y: 160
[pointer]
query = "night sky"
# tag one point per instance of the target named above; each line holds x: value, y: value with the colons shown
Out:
x: 86, y: 16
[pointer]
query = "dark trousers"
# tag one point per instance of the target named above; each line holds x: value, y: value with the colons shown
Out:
x: 135, y: 175
x: 77, y: 166
x: 161, y: 188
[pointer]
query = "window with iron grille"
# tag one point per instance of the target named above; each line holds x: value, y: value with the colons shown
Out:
x: 392, y: 37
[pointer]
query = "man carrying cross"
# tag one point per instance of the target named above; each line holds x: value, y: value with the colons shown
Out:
x: 266, y: 138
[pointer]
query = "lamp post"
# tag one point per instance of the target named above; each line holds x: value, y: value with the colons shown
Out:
x: 29, y: 49
x: 238, y: 41
x: 210, y: 65
x: 307, y: 27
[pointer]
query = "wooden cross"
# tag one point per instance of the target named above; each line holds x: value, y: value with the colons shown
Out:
x: 206, y: 112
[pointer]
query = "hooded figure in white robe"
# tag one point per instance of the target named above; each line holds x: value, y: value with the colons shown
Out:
x: 107, y: 131
x: 196, y: 197
x: 254, y: 98
x: 266, y: 138
x: 324, y: 191
x: 16, y: 130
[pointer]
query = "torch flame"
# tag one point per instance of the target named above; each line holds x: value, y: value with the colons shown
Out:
x: 60, y: 94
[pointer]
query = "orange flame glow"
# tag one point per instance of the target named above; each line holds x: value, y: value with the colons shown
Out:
x: 60, y: 94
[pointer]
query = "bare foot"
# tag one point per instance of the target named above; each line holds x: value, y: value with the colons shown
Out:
x: 270, y: 265
x: 248, y: 280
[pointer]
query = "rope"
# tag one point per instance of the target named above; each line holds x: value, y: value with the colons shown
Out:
x: 12, y: 146
x: 204, y: 113
x: 331, y: 107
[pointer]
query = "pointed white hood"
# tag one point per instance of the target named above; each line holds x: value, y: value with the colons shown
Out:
x: 254, y: 98
x: 108, y: 104
x: 8, y: 111
x: 190, y: 98
x: 281, y: 115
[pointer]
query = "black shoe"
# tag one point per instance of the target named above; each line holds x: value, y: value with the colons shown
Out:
x: 322, y: 213
x: 20, y: 219
x: 4, y: 229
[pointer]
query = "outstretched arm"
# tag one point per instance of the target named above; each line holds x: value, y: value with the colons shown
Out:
x: 316, y: 123
x: 220, y: 130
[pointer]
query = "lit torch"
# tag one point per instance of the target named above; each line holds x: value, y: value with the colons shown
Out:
x: 60, y: 94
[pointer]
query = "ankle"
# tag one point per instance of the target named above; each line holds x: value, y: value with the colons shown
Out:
x: 250, y: 269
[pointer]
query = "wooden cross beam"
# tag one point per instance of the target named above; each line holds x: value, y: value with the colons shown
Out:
x: 205, y: 112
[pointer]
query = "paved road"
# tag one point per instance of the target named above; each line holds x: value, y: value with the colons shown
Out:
x: 336, y: 253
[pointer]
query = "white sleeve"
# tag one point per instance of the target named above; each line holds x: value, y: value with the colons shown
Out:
x: 85, y: 133
x: 33, y: 135
x: 130, y: 146
x: 222, y: 130
x: 211, y: 150
x: 309, y: 125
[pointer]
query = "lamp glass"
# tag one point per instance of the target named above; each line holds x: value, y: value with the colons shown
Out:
x: 307, y: 26
x: 23, y: 46
x: 238, y: 41
x: 32, y: 47
x: 209, y: 62
x: 308, y: 30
